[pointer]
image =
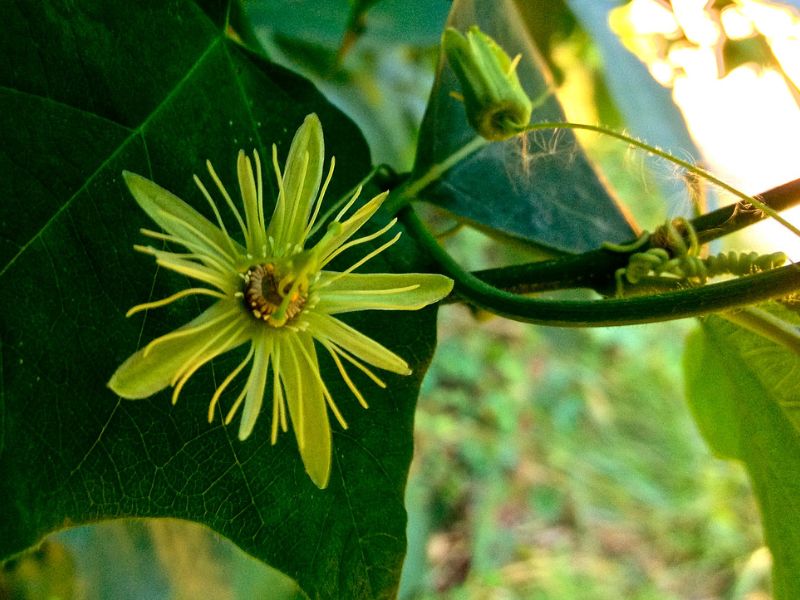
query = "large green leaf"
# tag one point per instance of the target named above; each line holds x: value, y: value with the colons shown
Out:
x: 89, y: 89
x: 540, y: 187
x: 744, y: 392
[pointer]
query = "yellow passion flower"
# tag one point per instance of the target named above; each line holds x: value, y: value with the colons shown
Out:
x: 274, y: 293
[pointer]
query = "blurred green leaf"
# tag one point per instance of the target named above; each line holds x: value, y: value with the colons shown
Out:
x: 103, y: 86
x: 539, y: 187
x: 381, y: 80
x: 646, y: 106
x: 744, y: 392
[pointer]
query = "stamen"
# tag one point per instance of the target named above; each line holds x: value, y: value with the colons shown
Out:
x: 318, y: 203
x: 194, y: 271
x: 267, y: 297
x: 217, y: 214
x: 198, y: 359
x: 179, y: 333
x: 343, y: 372
x: 378, y: 381
x: 158, y: 235
x: 350, y: 203
x: 172, y: 298
x: 314, y: 370
x: 226, y: 382
x: 236, y: 405
x: 369, y: 256
x: 357, y: 241
x: 227, y: 197
x: 193, y: 245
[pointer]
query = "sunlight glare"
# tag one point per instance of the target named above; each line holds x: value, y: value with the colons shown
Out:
x: 747, y: 124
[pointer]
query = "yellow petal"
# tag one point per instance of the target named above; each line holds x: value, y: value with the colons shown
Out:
x: 410, y: 291
x: 149, y: 371
x: 307, y: 408
x: 359, y: 345
x: 176, y: 217
x: 301, y: 178
x: 256, y: 383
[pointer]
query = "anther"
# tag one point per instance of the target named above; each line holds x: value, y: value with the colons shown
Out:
x: 267, y: 292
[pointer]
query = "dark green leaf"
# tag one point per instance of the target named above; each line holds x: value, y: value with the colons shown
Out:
x: 97, y: 87
x: 744, y: 392
x: 540, y: 187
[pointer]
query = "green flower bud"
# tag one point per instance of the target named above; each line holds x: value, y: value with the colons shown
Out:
x: 497, y: 106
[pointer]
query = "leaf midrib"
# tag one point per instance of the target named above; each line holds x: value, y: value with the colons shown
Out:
x: 137, y: 131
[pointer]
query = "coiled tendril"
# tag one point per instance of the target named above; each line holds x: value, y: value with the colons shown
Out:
x: 675, y: 251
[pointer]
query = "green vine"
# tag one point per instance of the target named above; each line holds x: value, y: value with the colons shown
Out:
x: 717, y: 297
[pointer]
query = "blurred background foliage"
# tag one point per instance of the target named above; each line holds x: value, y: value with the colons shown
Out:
x: 549, y: 463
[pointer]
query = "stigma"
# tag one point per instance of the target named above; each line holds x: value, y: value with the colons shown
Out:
x: 274, y: 297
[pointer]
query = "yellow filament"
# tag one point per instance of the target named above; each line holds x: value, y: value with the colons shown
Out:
x: 226, y: 382
x: 378, y: 381
x: 179, y: 333
x: 369, y: 256
x: 198, y: 359
x: 318, y: 203
x: 160, y: 236
x: 345, y: 376
x: 278, y: 403
x: 280, y: 204
x: 408, y: 288
x: 361, y: 240
x: 192, y: 245
x: 227, y: 197
x: 236, y: 404
x: 314, y: 370
x: 171, y: 299
x: 191, y: 270
x: 350, y: 203
x: 217, y: 214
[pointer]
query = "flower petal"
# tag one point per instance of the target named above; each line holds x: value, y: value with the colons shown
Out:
x: 325, y: 327
x: 307, y: 408
x: 149, y: 371
x: 253, y: 211
x: 409, y: 291
x: 178, y: 218
x: 256, y: 382
x: 340, y: 231
x: 301, y: 179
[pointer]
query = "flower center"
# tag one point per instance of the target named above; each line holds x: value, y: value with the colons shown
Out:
x: 272, y: 297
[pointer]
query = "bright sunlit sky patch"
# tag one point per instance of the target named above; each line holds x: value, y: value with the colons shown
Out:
x: 747, y: 124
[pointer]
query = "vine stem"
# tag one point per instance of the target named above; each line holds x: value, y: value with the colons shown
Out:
x: 407, y: 192
x: 595, y: 268
x: 667, y: 306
